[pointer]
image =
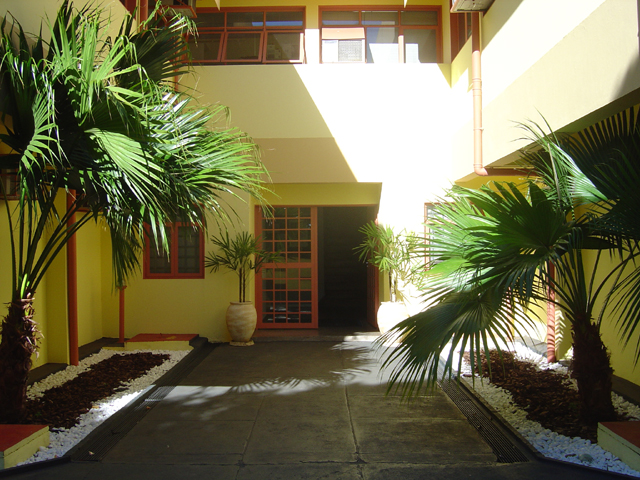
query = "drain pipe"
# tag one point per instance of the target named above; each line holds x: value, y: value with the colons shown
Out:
x: 476, y: 86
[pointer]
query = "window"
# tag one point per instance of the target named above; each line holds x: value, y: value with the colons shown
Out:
x: 186, y: 258
x: 381, y: 35
x: 242, y: 35
x: 460, y: 31
x: 9, y: 179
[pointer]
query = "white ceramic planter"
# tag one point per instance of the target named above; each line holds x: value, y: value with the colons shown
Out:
x: 390, y: 314
x: 241, y: 323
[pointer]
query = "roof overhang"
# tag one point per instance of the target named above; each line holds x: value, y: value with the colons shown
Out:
x: 460, y: 6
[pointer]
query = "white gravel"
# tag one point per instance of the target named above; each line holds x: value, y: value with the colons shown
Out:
x: 548, y: 443
x: 62, y: 440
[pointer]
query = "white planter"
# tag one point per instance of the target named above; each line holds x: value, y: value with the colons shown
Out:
x: 390, y: 314
x: 241, y: 323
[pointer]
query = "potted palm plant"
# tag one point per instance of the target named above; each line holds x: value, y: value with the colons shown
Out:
x: 242, y: 255
x: 390, y: 252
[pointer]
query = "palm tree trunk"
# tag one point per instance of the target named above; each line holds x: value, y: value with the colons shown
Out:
x: 591, y: 367
x: 19, y: 336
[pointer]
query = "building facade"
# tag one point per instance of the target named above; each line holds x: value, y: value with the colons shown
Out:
x: 363, y: 110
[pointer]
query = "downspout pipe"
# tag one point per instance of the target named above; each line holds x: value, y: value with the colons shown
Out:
x: 476, y: 87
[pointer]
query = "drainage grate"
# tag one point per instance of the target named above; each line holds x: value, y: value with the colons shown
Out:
x: 503, y: 447
x: 96, y: 446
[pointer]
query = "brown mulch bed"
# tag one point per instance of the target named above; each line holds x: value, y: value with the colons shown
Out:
x: 548, y: 397
x: 61, y: 406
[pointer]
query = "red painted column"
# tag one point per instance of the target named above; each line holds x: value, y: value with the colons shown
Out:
x: 72, y: 287
x: 551, y: 318
x: 121, y: 315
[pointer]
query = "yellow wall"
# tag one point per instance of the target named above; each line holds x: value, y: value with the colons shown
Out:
x: 583, y: 59
x: 345, y: 124
x: 189, y: 305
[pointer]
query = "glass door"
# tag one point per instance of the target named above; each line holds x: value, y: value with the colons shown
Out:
x: 287, y: 291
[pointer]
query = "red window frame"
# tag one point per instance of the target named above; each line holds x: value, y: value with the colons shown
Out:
x: 264, y: 30
x: 460, y: 31
x: 9, y: 179
x: 173, y: 254
x: 384, y: 8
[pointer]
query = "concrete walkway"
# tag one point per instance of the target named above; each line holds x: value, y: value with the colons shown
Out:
x: 299, y: 410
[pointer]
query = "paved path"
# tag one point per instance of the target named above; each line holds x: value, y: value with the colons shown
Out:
x: 299, y: 410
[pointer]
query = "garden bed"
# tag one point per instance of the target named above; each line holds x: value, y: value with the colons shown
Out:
x: 77, y: 399
x: 540, y: 401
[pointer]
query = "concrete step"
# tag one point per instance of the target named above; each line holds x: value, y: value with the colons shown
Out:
x: 19, y: 442
x: 623, y: 440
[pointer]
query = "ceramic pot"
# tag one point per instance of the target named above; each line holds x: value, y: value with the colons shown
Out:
x: 390, y: 314
x: 241, y: 323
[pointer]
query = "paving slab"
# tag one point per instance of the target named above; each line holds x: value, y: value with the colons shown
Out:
x: 299, y: 410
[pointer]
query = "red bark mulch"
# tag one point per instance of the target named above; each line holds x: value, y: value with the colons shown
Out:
x: 61, y: 406
x: 548, y: 397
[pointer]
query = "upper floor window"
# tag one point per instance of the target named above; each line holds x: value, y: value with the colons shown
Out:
x: 186, y: 253
x: 381, y: 34
x: 249, y: 35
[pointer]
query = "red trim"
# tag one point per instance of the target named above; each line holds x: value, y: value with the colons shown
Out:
x: 297, y: 265
x: 121, y: 315
x: 173, y: 256
x: 72, y: 287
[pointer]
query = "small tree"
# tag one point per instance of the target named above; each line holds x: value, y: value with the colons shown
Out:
x: 98, y: 118
x: 496, y: 246
x: 240, y: 254
x: 390, y: 252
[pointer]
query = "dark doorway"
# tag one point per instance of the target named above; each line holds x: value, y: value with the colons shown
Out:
x: 342, y: 278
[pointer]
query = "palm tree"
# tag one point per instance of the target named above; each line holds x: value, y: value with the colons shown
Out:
x: 496, y: 247
x: 97, y: 118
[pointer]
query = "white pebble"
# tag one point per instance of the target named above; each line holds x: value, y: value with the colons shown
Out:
x: 551, y: 444
x: 62, y: 440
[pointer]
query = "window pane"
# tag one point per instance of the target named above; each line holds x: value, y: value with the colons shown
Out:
x: 305, y: 235
x: 284, y: 46
x: 205, y: 47
x: 280, y: 212
x: 243, y: 46
x: 420, y: 46
x: 285, y: 19
x: 382, y: 45
x: 245, y: 19
x: 413, y: 17
x: 379, y: 18
x: 212, y: 19
x: 347, y: 50
x: 340, y: 18
x: 188, y: 250
x: 158, y: 261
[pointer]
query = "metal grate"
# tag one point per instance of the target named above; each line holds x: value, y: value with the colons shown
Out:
x: 505, y: 450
